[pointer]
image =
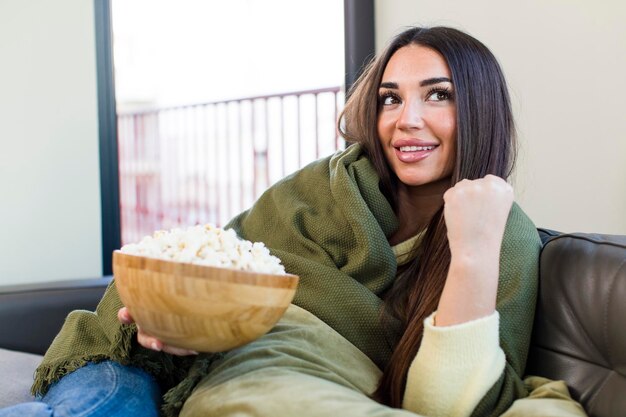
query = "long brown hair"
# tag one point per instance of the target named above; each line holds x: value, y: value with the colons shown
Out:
x: 485, y: 144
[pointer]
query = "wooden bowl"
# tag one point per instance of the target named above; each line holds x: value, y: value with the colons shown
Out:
x: 202, y: 308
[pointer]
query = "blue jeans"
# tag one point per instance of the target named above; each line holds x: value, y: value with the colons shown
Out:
x: 105, y: 389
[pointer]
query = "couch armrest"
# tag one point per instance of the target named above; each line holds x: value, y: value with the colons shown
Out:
x: 31, y: 315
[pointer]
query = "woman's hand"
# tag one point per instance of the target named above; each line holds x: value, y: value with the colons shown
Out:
x: 150, y: 342
x: 476, y: 212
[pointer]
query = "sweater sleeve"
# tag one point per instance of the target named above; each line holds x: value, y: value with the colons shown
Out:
x: 454, y: 367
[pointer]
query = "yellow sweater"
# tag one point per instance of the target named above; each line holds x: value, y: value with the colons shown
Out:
x: 455, y: 365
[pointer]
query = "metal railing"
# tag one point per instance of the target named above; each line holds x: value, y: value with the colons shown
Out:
x: 204, y: 163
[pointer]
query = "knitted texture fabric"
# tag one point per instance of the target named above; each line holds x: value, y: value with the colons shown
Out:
x: 329, y: 224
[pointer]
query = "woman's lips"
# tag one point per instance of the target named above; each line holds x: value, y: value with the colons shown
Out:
x: 413, y: 153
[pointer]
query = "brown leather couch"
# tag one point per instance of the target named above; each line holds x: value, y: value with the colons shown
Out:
x: 580, y: 324
x: 579, y: 334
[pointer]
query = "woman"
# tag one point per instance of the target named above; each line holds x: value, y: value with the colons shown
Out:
x: 417, y: 270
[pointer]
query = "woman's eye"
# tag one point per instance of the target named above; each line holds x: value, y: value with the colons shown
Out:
x: 439, y: 95
x: 389, y: 99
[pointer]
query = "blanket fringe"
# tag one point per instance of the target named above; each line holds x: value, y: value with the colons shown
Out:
x: 46, y: 375
x: 49, y: 372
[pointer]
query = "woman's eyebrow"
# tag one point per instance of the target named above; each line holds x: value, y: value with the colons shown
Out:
x: 389, y: 84
x: 423, y: 83
x: 437, y: 80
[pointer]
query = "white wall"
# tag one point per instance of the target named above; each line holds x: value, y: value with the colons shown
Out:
x: 565, y: 62
x: 49, y: 169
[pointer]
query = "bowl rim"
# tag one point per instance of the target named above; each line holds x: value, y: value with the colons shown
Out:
x: 193, y: 270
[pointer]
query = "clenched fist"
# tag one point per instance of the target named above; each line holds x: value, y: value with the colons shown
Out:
x: 476, y: 212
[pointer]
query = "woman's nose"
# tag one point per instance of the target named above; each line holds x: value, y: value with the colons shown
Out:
x: 411, y: 116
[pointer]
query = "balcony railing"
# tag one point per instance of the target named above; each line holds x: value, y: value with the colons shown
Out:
x: 204, y: 163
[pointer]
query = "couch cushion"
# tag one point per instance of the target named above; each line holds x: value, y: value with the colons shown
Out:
x: 17, y: 370
x: 579, y: 332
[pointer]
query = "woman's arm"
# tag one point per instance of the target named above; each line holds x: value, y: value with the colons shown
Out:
x: 460, y: 358
x: 476, y: 213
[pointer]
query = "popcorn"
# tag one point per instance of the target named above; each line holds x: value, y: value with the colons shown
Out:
x: 207, y: 245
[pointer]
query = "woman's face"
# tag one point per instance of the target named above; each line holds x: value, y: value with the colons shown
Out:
x: 417, y: 116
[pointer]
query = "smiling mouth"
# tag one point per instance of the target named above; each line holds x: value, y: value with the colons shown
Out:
x: 415, y: 148
x: 413, y: 153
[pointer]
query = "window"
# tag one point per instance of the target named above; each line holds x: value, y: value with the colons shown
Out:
x: 217, y: 100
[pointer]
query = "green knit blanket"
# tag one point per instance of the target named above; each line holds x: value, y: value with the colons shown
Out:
x: 329, y: 224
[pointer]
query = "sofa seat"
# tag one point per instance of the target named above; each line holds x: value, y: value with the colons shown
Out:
x: 30, y: 317
x: 17, y: 376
